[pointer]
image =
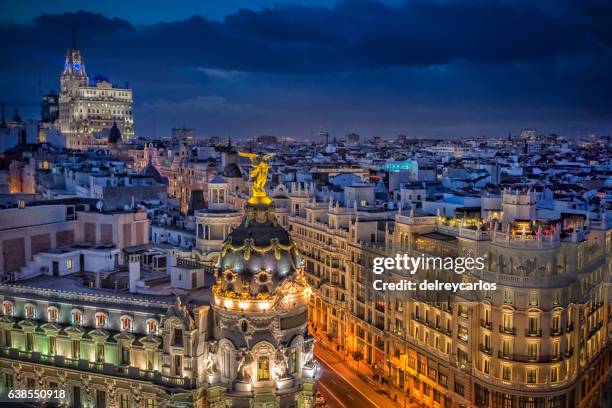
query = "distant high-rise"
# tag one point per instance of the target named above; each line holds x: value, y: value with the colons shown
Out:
x: 49, y: 107
x: 90, y: 106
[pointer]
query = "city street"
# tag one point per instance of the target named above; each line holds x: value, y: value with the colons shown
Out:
x: 338, y: 392
x: 342, y: 387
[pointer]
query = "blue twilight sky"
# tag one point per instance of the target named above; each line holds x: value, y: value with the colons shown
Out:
x: 437, y: 68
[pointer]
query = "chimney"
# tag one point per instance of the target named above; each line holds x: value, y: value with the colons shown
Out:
x: 134, y: 271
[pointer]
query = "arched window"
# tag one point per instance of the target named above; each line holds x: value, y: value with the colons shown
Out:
x: 152, y: 326
x: 101, y: 320
x: 77, y: 317
x: 52, y: 313
x: 263, y: 368
x: 7, y: 308
x: 126, y: 323
x: 29, y: 311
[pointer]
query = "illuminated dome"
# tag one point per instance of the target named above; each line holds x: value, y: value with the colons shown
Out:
x: 258, y: 254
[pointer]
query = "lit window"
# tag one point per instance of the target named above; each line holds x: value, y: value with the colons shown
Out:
x: 554, y: 374
x: 152, y: 326
x: 506, y: 373
x: 100, y: 320
x: 29, y: 311
x: 77, y: 317
x: 69, y: 264
x: 532, y: 375
x: 263, y: 368
x: 7, y: 308
x: 52, y: 314
x: 126, y: 323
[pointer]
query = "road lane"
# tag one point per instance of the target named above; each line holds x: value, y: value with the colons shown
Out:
x: 337, y: 392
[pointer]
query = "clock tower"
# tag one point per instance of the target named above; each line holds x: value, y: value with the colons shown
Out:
x: 88, y: 110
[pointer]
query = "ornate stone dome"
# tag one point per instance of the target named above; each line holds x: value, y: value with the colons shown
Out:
x: 257, y: 255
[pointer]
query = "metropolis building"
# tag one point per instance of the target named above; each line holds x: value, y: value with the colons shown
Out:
x: 178, y: 337
x: 540, y: 340
x: 90, y: 106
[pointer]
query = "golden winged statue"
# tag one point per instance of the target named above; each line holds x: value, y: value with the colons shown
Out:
x: 259, y: 176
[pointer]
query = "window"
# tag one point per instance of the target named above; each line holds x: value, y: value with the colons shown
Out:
x: 125, y: 355
x: 532, y: 351
x: 76, y: 396
x: 100, y: 352
x: 462, y: 333
x: 555, y: 324
x: 533, y: 325
x: 554, y: 374
x: 532, y: 375
x: 52, y: 314
x: 100, y: 320
x: 263, y: 368
x: 293, y: 361
x: 76, y: 349
x: 52, y: 345
x: 150, y: 360
x: 507, y: 322
x: 443, y: 380
x: 426, y: 389
x: 462, y: 356
x: 486, y: 366
x: 29, y: 311
x: 178, y: 336
x: 555, y: 349
x: 126, y: 323
x: 150, y: 403
x: 506, y: 373
x: 506, y: 348
x: 69, y: 264
x: 459, y: 389
x: 533, y: 298
x: 508, y: 296
x: 7, y: 338
x: 77, y: 317
x: 29, y: 341
x: 125, y: 401
x: 7, y: 308
x: 178, y: 365
x: 557, y: 298
x: 152, y: 326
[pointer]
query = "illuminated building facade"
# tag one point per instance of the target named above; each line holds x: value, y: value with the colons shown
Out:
x: 242, y: 342
x: 539, y: 340
x: 89, y: 106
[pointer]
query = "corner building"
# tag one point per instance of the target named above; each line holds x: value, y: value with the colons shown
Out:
x: 240, y: 343
x: 540, y: 340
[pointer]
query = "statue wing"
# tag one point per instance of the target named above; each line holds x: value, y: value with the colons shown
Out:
x: 249, y: 155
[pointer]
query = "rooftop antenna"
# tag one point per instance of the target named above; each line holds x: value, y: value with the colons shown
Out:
x: 74, y: 37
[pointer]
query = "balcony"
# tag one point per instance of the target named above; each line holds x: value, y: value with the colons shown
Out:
x: 486, y: 324
x: 523, y: 358
x: 533, y: 333
x: 485, y: 349
x: 134, y: 373
x: 507, y: 330
x: 556, y: 331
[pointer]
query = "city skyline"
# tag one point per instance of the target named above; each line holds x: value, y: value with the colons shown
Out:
x: 292, y: 69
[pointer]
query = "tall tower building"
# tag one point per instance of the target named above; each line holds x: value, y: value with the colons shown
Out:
x: 89, y: 107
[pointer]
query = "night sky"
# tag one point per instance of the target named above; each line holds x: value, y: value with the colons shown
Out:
x: 242, y: 68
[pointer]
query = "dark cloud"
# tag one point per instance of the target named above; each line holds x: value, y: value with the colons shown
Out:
x: 356, y: 56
